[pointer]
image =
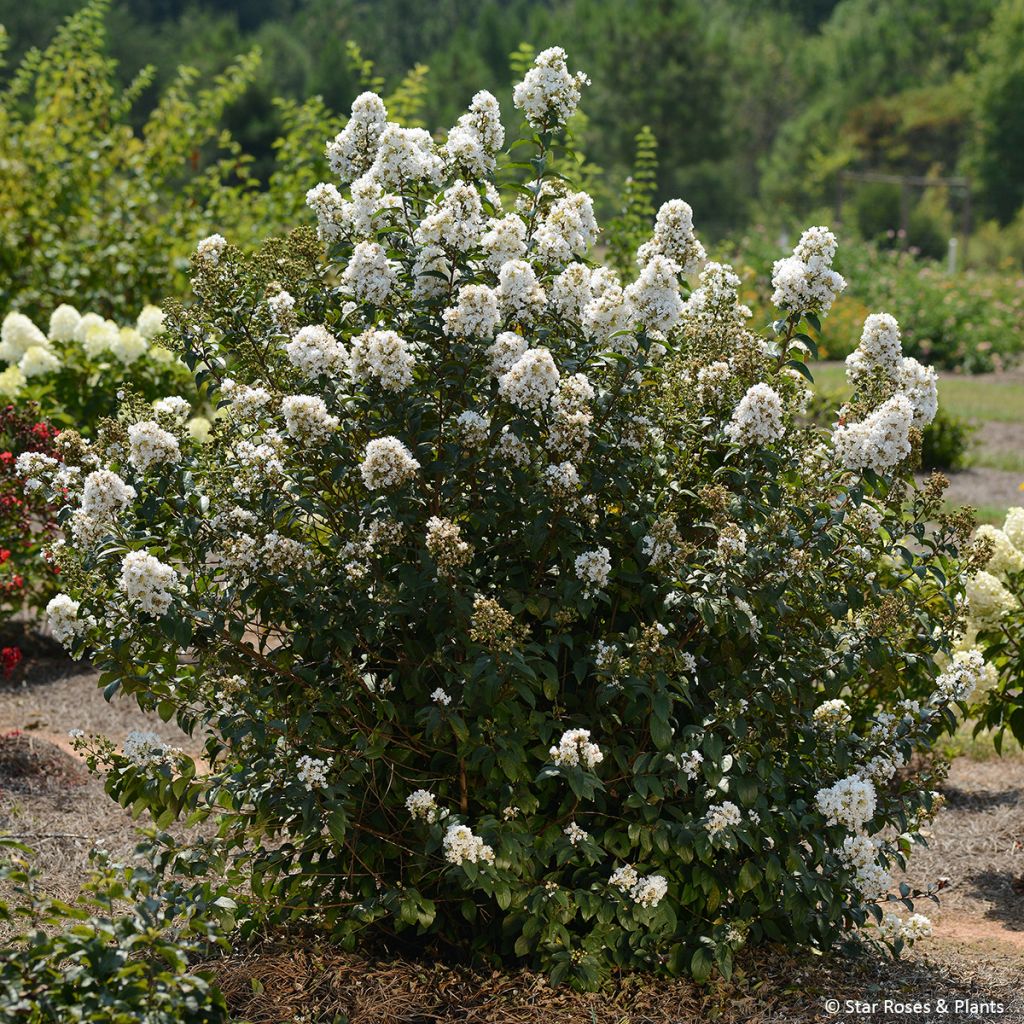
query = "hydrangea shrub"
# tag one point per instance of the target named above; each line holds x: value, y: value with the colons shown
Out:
x: 995, y: 624
x: 526, y: 614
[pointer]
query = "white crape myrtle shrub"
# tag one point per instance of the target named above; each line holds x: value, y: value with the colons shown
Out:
x: 524, y: 609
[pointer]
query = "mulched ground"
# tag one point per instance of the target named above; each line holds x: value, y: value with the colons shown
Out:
x: 976, y: 956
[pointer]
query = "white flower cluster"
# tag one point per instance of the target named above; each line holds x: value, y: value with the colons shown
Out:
x: 307, y: 420
x: 352, y: 152
x: 594, y: 568
x: 105, y: 494
x: 805, y: 281
x: 369, y: 275
x: 860, y: 853
x: 148, y: 582
x: 674, y: 240
x: 151, y: 445
x: 575, y: 749
x: 423, y: 805
x: 721, y: 816
x: 475, y: 139
x: 575, y: 834
x: 646, y: 890
x: 65, y: 624
x: 881, y: 441
x: 384, y: 357
x: 314, y: 351
x: 312, y: 772
x: 211, y: 248
x: 1007, y: 556
x: 988, y: 599
x: 461, y: 845
x: 476, y: 315
x: 910, y: 930
x: 654, y: 296
x: 387, y: 463
x: 832, y: 715
x: 531, y: 380
x: 758, y: 419
x: 548, y: 95
x: 850, y: 802
x: 962, y: 678
x: 146, y: 748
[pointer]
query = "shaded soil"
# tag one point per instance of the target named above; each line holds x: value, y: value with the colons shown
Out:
x: 981, y: 485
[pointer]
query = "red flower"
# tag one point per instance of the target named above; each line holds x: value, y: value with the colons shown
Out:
x: 10, y: 658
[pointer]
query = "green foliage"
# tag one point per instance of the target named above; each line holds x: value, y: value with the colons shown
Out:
x: 118, y: 954
x: 945, y: 441
x: 633, y: 224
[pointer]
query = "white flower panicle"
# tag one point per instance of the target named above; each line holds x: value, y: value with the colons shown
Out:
x: 520, y: 296
x: 422, y: 804
x: 531, y: 380
x: 384, y: 357
x: 850, y: 802
x: 352, y: 152
x: 575, y: 750
x: 211, y: 248
x: 881, y: 441
x: 312, y: 771
x: 315, y: 352
x: 654, y: 295
x: 151, y: 445
x: 721, y: 816
x: 148, y: 582
x: 673, y: 239
x: 962, y: 678
x: 105, y: 494
x: 65, y: 624
x: 805, y: 281
x: 476, y: 315
x: 568, y: 228
x: 548, y: 95
x: 594, y: 568
x: 758, y: 419
x: 461, y: 845
x: 18, y: 334
x: 64, y: 321
x: 832, y: 715
x: 504, y: 240
x: 387, y: 463
x: 307, y: 420
x: 988, y: 600
x: 370, y: 276
x: 475, y: 139
x: 1006, y: 557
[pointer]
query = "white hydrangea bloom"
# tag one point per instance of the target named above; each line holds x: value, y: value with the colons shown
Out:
x: 382, y: 356
x: 64, y: 321
x: 148, y: 582
x: 128, y: 346
x: 1006, y: 557
x: 988, y: 600
x: 1013, y: 527
x: 849, y: 802
x: 17, y: 335
x: 149, y: 323
x: 38, y: 361
x: 306, y: 418
x: 151, y: 445
x: 575, y: 749
x: 758, y: 419
x: 461, y: 845
x: 12, y: 380
x: 387, y: 463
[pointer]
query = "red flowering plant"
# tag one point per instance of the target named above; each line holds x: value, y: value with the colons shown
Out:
x: 27, y: 525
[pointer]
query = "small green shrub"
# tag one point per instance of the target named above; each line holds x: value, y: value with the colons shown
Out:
x: 118, y: 954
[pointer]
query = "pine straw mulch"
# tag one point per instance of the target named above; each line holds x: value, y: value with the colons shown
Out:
x: 322, y: 986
